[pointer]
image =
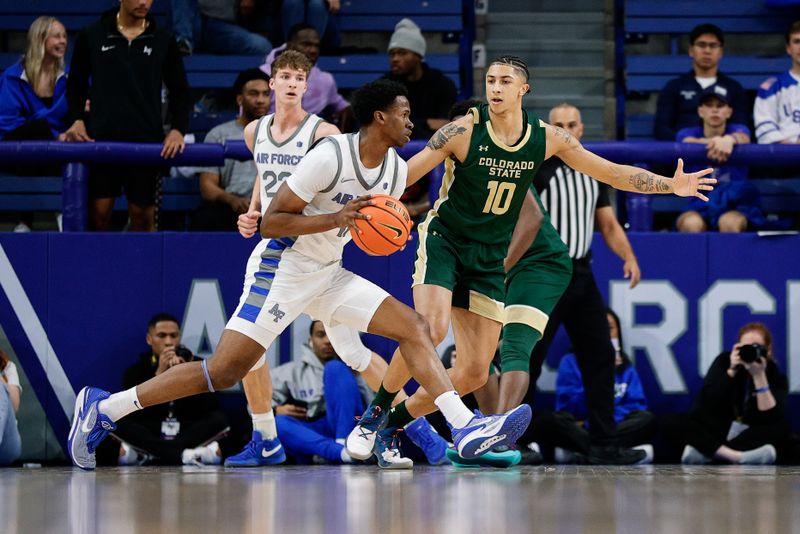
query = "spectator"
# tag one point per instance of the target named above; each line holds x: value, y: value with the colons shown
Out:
x: 226, y: 190
x: 738, y: 415
x: 734, y: 202
x: 315, y: 13
x: 33, y: 92
x: 577, y: 202
x: 430, y: 93
x: 182, y: 431
x: 677, y: 102
x: 776, y: 113
x: 213, y: 26
x: 316, y: 400
x: 10, y: 392
x: 322, y: 97
x: 635, y: 425
x: 33, y: 102
x: 128, y: 59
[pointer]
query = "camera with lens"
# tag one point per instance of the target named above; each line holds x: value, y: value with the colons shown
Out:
x: 182, y: 352
x: 752, y: 352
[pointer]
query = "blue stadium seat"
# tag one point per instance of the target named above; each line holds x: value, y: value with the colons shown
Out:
x: 74, y: 14
x: 680, y: 16
x: 382, y: 15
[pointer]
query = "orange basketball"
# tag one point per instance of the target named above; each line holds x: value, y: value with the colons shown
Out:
x: 388, y: 229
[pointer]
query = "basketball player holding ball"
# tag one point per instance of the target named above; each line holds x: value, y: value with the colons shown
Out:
x: 319, y: 203
x: 465, y: 243
x: 278, y: 142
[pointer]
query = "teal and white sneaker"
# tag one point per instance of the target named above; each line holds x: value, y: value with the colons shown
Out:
x: 484, y: 433
x: 387, y: 450
x: 258, y: 452
x: 505, y: 457
x: 89, y: 427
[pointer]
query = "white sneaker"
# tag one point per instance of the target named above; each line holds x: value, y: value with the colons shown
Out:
x: 564, y: 456
x: 132, y: 456
x: 22, y: 228
x: 206, y: 455
x: 692, y: 456
x: 648, y: 449
x: 763, y: 455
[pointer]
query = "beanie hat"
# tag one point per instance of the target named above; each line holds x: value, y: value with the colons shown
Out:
x: 408, y: 35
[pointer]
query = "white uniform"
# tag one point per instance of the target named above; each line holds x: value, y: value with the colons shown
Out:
x: 288, y: 276
x: 776, y: 112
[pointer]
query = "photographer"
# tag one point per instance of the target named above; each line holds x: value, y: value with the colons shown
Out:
x: 738, y: 416
x: 182, y: 431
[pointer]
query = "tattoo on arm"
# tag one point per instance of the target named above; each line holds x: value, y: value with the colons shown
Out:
x: 561, y: 132
x: 444, y: 134
x: 646, y: 183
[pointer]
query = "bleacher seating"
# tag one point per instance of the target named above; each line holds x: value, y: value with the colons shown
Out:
x: 75, y: 15
x: 680, y: 16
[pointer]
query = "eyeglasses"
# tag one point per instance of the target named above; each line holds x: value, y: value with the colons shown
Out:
x: 705, y: 44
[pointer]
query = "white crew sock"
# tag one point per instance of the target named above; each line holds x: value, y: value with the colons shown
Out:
x: 265, y: 424
x: 453, y: 409
x: 120, y: 404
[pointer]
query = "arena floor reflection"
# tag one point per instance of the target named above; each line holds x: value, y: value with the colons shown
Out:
x: 330, y: 499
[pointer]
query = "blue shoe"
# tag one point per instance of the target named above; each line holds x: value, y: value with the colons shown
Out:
x: 89, y: 427
x: 426, y: 438
x: 361, y: 440
x: 258, y: 452
x: 484, y: 433
x: 493, y: 458
x: 387, y: 450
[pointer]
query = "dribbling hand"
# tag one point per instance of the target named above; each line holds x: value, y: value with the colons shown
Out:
x: 349, y: 213
x: 247, y: 223
x: 690, y: 184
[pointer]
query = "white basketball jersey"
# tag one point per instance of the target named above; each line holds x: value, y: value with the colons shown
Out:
x: 330, y: 177
x: 276, y: 161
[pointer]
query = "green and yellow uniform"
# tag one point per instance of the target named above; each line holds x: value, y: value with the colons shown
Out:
x: 465, y: 237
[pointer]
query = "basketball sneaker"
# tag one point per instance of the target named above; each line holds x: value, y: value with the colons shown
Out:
x: 89, y: 427
x: 494, y: 458
x: 387, y: 450
x: 428, y: 440
x: 361, y: 440
x: 258, y: 452
x: 483, y: 433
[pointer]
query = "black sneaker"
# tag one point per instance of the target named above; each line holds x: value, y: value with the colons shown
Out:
x: 614, y: 455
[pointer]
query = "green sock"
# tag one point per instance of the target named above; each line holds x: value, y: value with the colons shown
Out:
x: 399, y: 416
x: 384, y: 398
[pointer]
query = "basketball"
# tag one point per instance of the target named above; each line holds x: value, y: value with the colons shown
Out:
x: 388, y: 229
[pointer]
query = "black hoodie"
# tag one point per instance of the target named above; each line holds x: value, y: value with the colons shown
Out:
x: 123, y: 81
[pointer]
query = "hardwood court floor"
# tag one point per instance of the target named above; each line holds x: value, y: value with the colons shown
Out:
x: 332, y: 500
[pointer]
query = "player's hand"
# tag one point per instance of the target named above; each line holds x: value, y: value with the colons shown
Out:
x: 173, y: 144
x: 248, y: 223
x: 630, y: 269
x: 77, y: 133
x: 691, y: 184
x: 349, y: 213
x: 334, y: 6
x: 720, y: 148
x: 291, y: 409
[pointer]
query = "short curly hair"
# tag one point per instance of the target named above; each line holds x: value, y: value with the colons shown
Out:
x: 291, y: 59
x: 375, y: 96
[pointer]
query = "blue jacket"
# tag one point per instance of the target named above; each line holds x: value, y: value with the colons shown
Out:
x: 570, y: 397
x: 20, y: 104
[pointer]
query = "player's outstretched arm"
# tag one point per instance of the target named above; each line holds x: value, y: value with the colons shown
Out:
x: 451, y: 139
x: 625, y: 177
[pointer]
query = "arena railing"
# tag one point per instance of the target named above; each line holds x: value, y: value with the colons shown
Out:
x: 77, y: 156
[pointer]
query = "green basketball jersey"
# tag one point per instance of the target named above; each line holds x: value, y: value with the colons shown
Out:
x: 480, y: 199
x: 547, y: 243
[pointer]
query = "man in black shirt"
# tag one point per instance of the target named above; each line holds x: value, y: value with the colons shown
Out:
x: 678, y: 101
x: 430, y: 93
x: 176, y: 432
x: 127, y: 58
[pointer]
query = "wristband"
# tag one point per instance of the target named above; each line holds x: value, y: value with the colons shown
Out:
x: 762, y: 390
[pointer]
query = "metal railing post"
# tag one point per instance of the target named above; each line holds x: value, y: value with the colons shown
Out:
x: 75, y: 191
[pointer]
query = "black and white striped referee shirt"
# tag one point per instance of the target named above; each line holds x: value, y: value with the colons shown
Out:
x: 571, y: 198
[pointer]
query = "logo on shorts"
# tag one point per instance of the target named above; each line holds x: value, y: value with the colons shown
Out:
x: 276, y: 311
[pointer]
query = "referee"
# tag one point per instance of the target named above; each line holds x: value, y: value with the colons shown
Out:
x: 575, y: 201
